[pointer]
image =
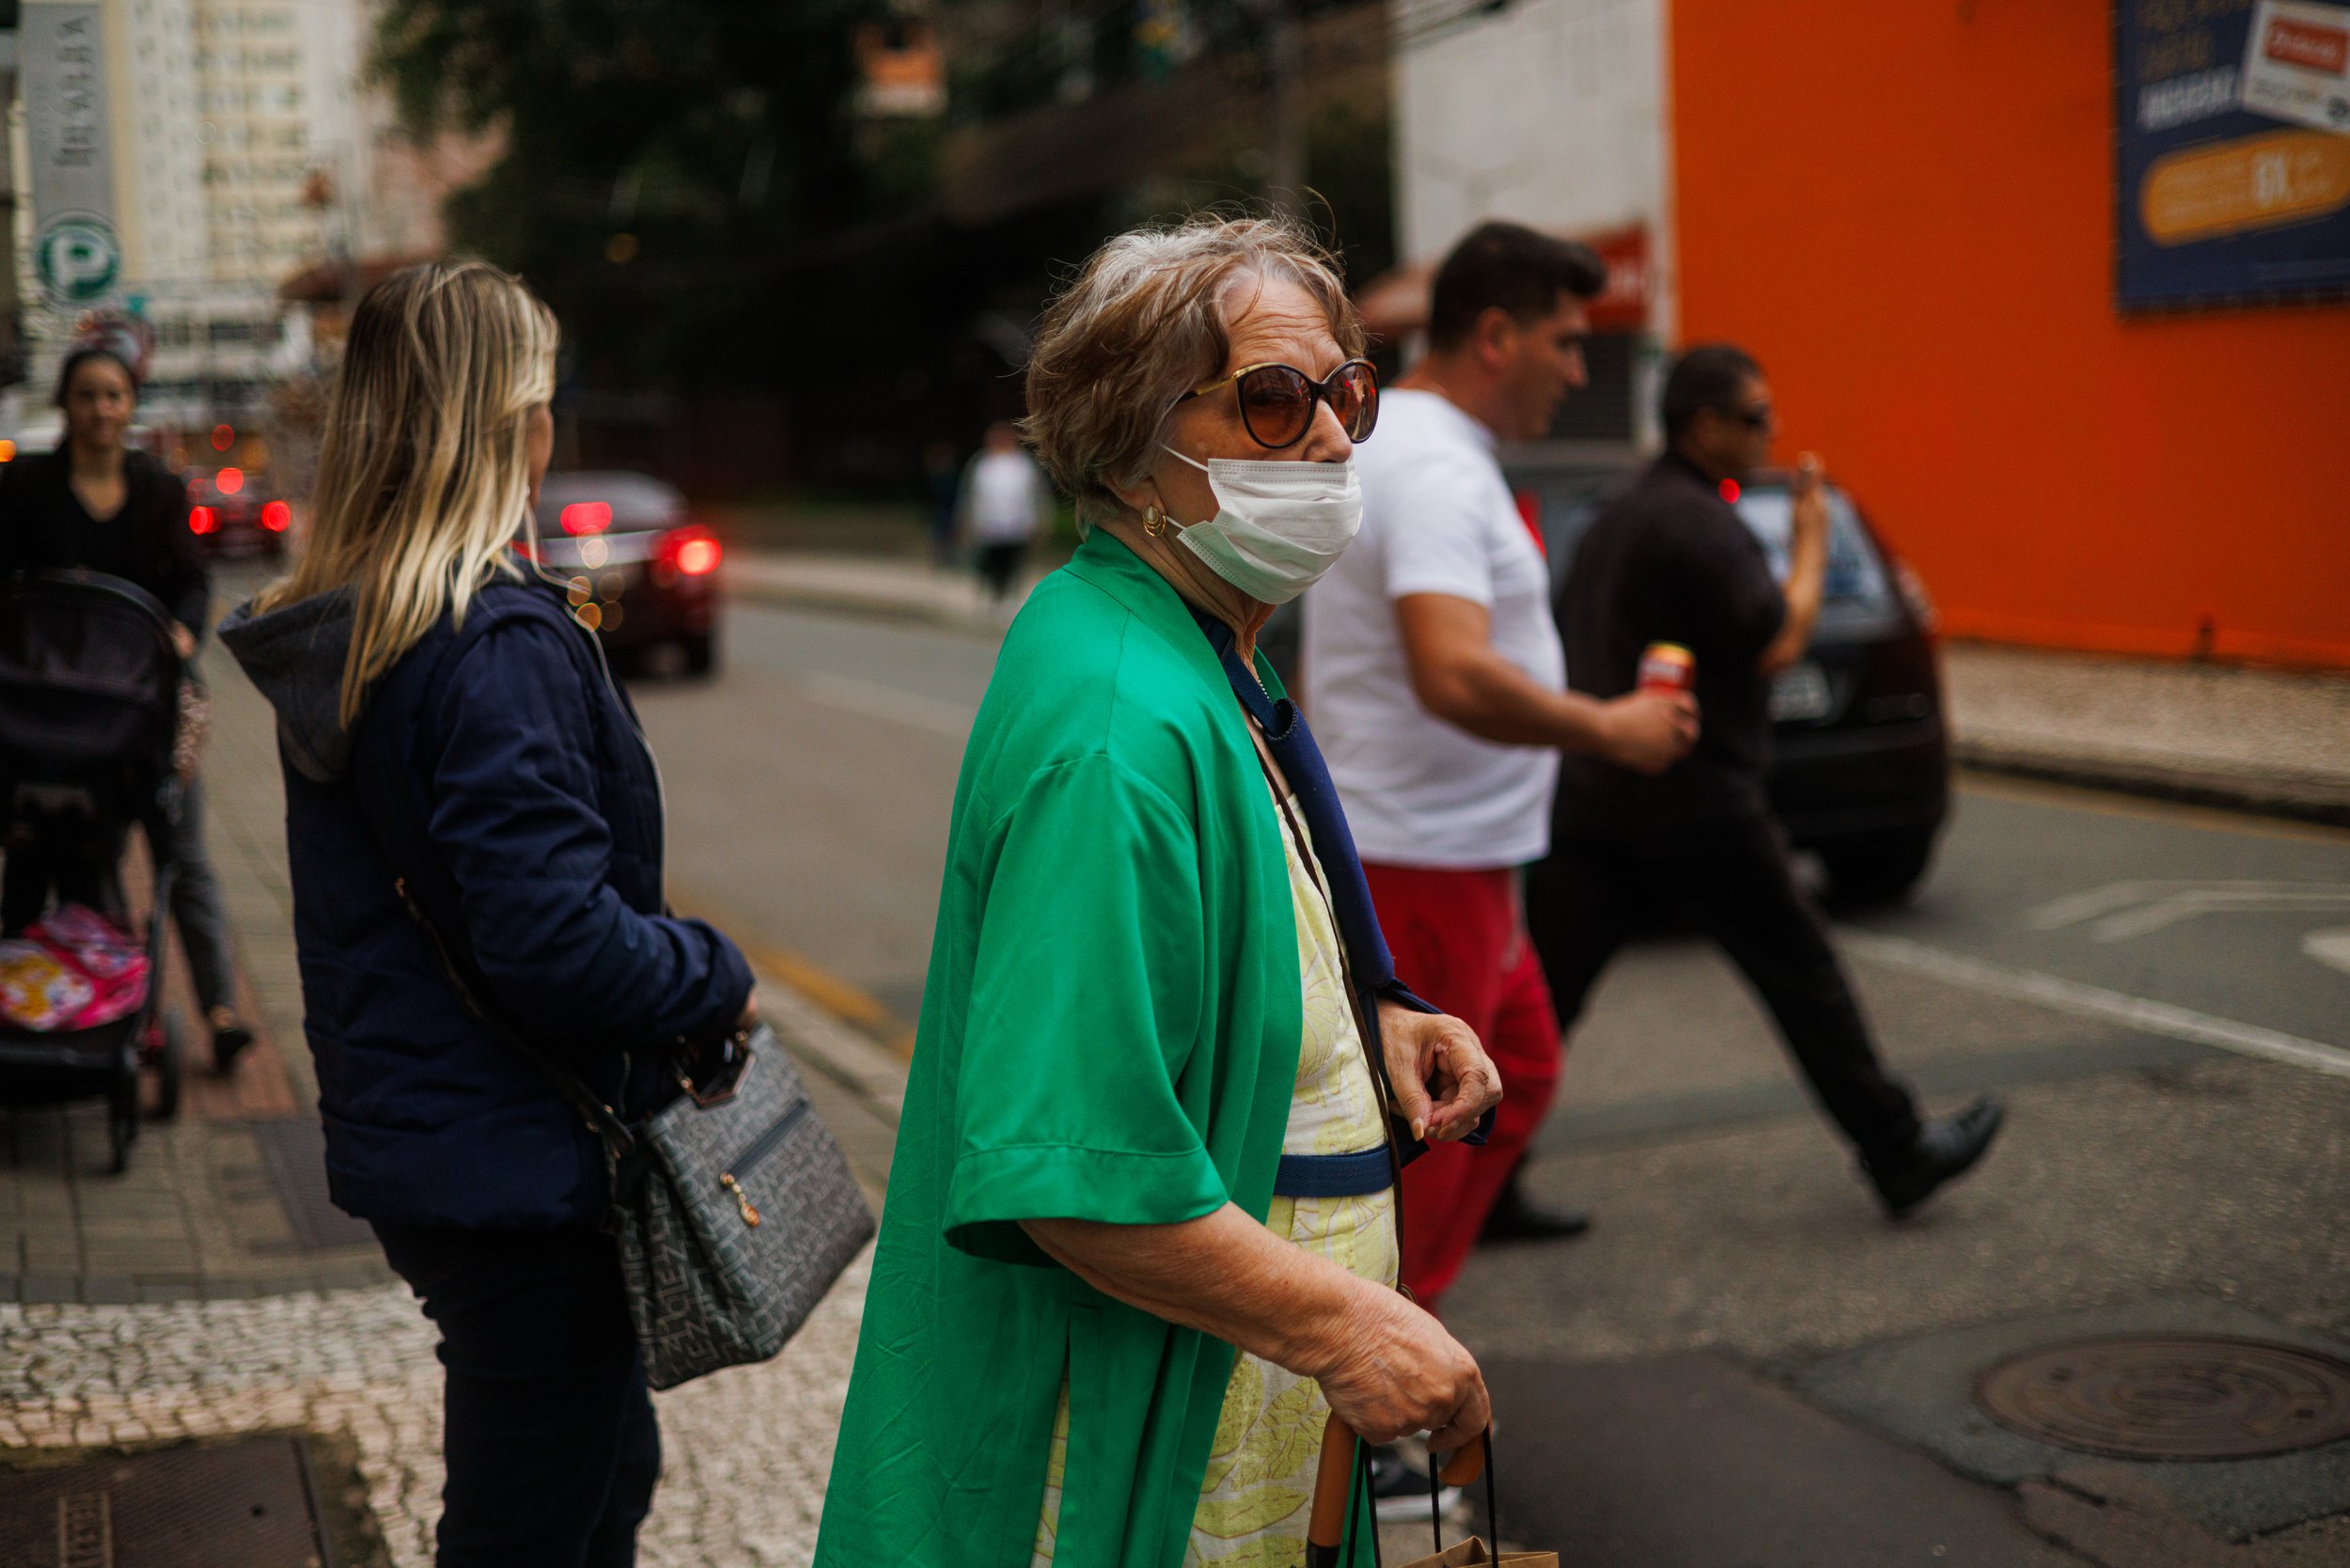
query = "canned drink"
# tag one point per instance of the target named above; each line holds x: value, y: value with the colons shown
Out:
x: 1668, y: 666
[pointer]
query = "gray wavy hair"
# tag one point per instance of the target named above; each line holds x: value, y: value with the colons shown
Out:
x: 1143, y: 322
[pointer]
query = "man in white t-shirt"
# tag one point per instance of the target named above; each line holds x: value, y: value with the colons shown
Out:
x: 1436, y: 686
x: 1005, y: 500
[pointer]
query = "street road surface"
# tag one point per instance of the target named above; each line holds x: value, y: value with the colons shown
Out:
x: 2162, y: 995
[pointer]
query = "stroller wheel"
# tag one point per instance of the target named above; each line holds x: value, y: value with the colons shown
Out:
x: 171, y: 1062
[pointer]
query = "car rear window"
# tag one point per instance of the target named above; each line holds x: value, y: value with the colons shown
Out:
x: 1858, y: 590
x: 637, y: 500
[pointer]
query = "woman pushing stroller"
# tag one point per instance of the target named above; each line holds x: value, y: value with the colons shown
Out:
x: 98, y: 504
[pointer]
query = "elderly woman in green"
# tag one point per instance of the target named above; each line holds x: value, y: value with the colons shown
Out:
x: 1140, y: 1234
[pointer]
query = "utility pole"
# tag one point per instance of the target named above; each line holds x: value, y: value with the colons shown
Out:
x: 1285, y: 161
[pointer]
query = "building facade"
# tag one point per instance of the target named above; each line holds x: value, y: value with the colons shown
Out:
x: 237, y: 145
x: 1919, y: 219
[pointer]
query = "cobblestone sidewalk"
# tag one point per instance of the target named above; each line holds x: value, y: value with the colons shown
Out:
x: 745, y: 1451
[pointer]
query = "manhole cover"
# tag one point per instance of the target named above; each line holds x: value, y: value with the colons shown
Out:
x: 243, y: 1504
x: 2172, y: 1396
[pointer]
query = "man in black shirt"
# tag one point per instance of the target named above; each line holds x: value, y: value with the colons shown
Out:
x: 1669, y: 561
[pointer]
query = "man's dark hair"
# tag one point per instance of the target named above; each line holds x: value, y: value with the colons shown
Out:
x: 1510, y: 267
x: 1708, y: 376
x: 82, y: 357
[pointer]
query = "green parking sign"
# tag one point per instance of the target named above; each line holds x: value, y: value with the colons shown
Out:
x: 78, y: 259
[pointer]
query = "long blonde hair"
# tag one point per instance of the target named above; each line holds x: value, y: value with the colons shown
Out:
x: 424, y: 471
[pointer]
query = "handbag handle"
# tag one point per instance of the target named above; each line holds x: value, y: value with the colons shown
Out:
x: 1341, y: 1473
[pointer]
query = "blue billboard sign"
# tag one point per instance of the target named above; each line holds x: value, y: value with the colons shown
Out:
x: 2232, y: 141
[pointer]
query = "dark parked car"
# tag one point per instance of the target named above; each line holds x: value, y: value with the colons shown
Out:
x: 643, y: 571
x: 238, y: 513
x: 1860, y: 768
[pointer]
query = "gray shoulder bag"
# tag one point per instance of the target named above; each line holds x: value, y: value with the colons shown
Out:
x: 733, y: 1207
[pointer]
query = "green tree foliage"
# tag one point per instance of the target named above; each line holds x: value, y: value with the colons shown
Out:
x: 673, y: 169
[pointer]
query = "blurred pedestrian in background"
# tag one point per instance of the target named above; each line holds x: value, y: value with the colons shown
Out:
x: 942, y: 484
x: 1005, y: 498
x: 100, y: 504
x: 1669, y: 561
x: 449, y: 734
x: 1148, y: 1119
x: 1433, y: 675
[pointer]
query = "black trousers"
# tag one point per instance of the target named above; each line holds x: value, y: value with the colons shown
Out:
x: 551, y: 1444
x: 1733, y: 880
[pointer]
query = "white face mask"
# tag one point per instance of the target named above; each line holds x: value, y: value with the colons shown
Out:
x: 1277, y: 526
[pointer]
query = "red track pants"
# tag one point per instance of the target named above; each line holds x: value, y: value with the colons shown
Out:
x: 1459, y: 939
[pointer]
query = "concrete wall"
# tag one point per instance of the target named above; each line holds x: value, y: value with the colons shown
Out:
x: 1906, y: 211
x: 1551, y: 112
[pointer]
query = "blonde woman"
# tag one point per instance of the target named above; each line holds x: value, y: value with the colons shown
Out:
x: 442, y: 720
x: 1141, y: 1237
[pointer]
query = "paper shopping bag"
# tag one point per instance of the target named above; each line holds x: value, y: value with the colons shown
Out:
x: 1340, y: 1509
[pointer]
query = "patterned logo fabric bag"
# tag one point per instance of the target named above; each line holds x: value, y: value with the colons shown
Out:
x: 733, y: 1220
x: 733, y: 1207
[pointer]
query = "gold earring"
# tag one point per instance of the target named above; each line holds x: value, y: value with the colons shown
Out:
x: 1153, y: 522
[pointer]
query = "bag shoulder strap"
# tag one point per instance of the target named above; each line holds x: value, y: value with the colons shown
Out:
x: 601, y: 1119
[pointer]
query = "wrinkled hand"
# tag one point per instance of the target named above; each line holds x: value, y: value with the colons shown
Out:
x: 1649, y: 732
x: 1394, y: 1370
x: 1443, y: 1081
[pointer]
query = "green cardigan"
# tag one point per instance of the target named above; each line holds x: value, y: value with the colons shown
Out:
x: 1110, y: 1032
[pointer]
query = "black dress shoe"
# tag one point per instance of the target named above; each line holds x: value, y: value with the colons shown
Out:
x: 1946, y: 1148
x: 1516, y: 1217
x: 230, y: 1038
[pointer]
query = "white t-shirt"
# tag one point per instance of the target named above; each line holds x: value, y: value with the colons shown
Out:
x: 1005, y: 497
x: 1437, y: 518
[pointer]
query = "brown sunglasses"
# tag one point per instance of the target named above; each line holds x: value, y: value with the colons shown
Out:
x: 1276, y: 401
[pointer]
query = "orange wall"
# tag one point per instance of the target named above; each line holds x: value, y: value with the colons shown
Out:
x: 1905, y: 210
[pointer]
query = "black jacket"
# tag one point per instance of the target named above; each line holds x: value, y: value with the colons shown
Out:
x: 43, y: 527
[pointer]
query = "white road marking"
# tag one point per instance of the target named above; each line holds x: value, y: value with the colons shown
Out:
x: 2126, y: 909
x: 2095, y: 1002
x: 887, y: 702
x: 2329, y: 947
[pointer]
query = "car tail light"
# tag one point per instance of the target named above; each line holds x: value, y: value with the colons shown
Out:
x: 275, y: 515
x: 229, y: 480
x: 587, y: 517
x: 1913, y: 591
x: 689, y: 551
x: 202, y: 520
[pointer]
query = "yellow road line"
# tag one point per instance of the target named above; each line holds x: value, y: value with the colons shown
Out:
x: 843, y: 998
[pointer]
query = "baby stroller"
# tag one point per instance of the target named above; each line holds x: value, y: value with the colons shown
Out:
x: 90, y: 713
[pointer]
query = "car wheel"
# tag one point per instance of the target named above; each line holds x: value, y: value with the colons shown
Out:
x: 1876, y: 868
x: 701, y: 655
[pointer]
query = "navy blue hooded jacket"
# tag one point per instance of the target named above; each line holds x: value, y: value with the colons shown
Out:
x: 506, y: 775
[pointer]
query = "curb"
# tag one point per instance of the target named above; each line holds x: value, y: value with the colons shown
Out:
x: 841, y: 600
x: 2289, y: 796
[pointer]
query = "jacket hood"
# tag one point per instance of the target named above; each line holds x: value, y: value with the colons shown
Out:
x: 295, y: 656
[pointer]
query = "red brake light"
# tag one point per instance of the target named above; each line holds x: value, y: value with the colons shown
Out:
x: 587, y: 517
x: 275, y: 515
x: 202, y: 520
x: 222, y: 437
x: 230, y: 481
x: 690, y: 552
x: 1729, y: 491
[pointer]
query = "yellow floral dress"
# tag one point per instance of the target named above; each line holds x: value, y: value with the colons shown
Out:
x: 1259, y: 1485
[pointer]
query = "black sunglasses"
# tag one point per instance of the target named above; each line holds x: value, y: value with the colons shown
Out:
x: 1276, y: 401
